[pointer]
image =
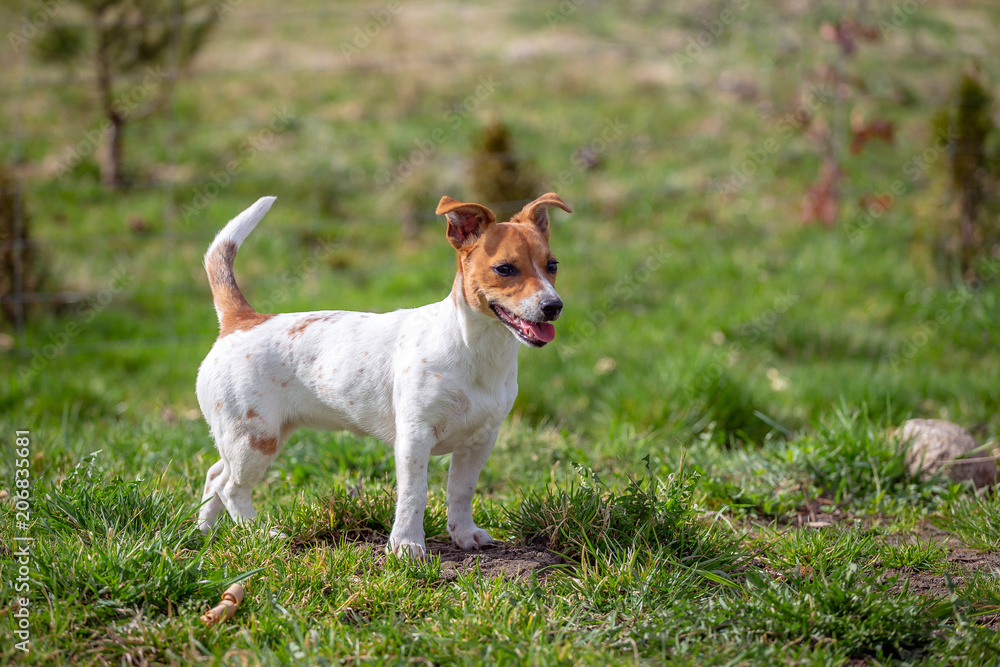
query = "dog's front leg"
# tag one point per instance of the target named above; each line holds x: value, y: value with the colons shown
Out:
x: 413, y: 452
x: 466, y: 464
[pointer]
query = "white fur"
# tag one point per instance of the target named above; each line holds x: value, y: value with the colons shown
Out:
x: 432, y: 380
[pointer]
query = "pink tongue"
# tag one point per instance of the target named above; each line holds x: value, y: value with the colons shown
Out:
x: 543, y: 331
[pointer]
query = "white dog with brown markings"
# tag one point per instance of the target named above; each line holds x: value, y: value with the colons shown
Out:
x: 432, y: 380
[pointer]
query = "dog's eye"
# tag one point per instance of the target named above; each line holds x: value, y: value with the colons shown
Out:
x: 552, y: 267
x: 505, y: 269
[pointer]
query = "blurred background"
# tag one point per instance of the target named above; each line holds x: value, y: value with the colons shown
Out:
x: 782, y: 211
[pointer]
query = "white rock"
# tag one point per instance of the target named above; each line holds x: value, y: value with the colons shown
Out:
x: 935, y: 445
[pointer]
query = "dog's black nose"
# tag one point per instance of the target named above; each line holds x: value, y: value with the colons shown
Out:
x: 551, y: 309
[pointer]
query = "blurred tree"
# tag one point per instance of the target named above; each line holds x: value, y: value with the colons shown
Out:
x: 967, y: 123
x: 498, y: 178
x: 22, y: 271
x: 121, y: 38
x: 822, y: 201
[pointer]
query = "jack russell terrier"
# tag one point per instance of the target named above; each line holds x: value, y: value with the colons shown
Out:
x: 432, y: 380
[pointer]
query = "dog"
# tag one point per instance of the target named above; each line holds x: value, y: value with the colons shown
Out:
x: 433, y: 380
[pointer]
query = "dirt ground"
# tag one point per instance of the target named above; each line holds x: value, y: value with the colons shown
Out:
x: 507, y: 561
x: 962, y: 562
x: 521, y: 563
x: 820, y: 513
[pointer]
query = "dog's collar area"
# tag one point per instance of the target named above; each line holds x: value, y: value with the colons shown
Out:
x: 535, y: 334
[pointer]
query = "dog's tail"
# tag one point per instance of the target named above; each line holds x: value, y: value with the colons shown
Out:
x: 232, y: 308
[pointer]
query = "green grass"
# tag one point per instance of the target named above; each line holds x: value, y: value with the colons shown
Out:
x: 973, y: 521
x: 704, y: 456
x: 848, y: 612
x: 648, y: 514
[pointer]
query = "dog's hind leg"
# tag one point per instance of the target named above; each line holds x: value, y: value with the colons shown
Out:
x: 212, y: 505
x: 248, y: 456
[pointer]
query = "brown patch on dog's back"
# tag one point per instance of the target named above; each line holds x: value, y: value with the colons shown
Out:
x: 235, y: 314
x: 300, y: 326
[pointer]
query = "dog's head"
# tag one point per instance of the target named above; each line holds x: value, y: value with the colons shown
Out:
x: 506, y: 268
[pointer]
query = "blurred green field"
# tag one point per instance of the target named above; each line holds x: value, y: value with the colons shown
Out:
x: 709, y: 334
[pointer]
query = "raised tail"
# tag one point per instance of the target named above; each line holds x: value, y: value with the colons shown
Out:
x: 235, y: 314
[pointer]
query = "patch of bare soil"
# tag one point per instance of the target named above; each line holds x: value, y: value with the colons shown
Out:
x: 969, y: 559
x: 817, y: 513
x: 929, y: 583
x: 507, y: 561
x: 960, y: 557
x: 962, y: 562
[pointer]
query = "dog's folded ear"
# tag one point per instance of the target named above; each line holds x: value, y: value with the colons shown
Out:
x: 465, y: 221
x: 536, y: 213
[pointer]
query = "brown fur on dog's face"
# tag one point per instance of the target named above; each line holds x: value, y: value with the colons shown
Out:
x: 504, y: 244
x: 506, y: 268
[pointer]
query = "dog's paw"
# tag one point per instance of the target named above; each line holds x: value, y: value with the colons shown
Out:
x: 406, y: 548
x: 473, y: 538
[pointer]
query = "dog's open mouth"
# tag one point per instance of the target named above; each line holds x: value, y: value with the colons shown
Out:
x: 535, y: 334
